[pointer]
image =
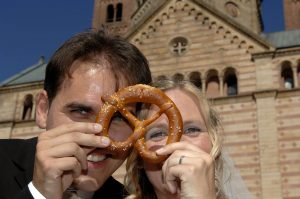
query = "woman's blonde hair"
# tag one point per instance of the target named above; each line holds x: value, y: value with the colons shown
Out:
x: 136, y: 181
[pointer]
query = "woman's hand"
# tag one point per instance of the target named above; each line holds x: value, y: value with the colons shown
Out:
x: 189, y: 171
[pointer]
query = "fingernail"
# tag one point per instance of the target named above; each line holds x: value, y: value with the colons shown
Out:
x: 105, y: 141
x: 97, y: 127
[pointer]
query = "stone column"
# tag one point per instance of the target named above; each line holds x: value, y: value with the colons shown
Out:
x: 221, y: 85
x: 295, y: 76
x: 33, y: 109
x: 203, y: 85
x: 268, y: 144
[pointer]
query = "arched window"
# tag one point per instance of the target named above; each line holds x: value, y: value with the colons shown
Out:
x: 232, y: 9
x: 27, y: 107
x: 195, y: 78
x: 230, y: 82
x: 212, y: 84
x: 119, y: 12
x: 178, y: 77
x: 287, y: 79
x: 178, y: 46
x: 110, y: 13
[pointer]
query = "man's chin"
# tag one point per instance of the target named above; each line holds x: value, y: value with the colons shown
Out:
x: 87, y: 183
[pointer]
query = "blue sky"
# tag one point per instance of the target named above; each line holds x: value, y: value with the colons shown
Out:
x: 34, y: 28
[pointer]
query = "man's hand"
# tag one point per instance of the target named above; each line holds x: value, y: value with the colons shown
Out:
x: 61, y: 156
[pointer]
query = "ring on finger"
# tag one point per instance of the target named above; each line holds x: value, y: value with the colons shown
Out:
x: 181, y: 159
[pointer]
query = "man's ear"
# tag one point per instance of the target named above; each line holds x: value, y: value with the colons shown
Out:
x: 42, y: 108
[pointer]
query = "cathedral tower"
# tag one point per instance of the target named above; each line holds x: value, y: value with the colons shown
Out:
x: 117, y: 14
x: 114, y: 14
x: 291, y: 14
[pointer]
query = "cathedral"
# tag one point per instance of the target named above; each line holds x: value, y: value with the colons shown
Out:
x: 252, y: 78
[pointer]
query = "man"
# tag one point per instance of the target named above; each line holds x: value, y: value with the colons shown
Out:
x: 68, y: 154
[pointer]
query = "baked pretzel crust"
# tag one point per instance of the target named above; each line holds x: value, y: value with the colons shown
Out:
x: 145, y: 94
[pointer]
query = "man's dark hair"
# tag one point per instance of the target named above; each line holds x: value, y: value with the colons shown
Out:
x: 124, y: 59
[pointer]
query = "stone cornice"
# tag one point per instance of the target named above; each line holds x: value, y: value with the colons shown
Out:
x: 247, y: 97
x: 252, y: 96
x: 21, y: 87
x: 288, y: 93
x: 6, y: 123
x: 145, y: 10
x: 16, y: 122
x: 265, y: 94
x: 276, y: 53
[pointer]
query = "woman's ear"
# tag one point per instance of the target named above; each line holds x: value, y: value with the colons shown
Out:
x: 42, y: 108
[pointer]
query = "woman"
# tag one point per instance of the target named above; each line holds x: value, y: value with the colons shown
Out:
x: 194, y: 168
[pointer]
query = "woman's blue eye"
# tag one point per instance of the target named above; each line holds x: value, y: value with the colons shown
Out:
x: 156, y: 135
x: 192, y: 131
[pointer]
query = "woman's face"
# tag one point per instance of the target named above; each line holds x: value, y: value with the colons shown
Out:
x: 194, y: 131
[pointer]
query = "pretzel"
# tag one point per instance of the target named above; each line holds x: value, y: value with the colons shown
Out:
x: 145, y: 94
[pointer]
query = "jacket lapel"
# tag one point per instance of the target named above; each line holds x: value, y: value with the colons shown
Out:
x: 23, y: 162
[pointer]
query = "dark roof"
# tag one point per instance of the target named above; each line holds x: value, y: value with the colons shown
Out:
x: 283, y: 39
x: 35, y: 73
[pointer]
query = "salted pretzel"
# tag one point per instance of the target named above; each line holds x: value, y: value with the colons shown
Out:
x: 145, y: 94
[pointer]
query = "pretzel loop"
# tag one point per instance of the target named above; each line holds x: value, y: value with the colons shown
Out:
x: 145, y: 94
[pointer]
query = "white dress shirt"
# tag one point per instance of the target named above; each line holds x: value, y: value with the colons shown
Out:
x: 78, y: 195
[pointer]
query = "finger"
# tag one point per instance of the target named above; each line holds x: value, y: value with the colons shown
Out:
x: 173, y: 160
x: 188, y: 157
x: 72, y: 127
x: 68, y: 164
x: 54, y: 168
x: 69, y: 150
x: 194, y: 159
x: 170, y: 162
x: 164, y: 170
x: 82, y: 139
x: 172, y: 176
x: 170, y: 148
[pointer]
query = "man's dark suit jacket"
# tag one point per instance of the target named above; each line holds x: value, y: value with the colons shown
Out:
x: 16, y: 169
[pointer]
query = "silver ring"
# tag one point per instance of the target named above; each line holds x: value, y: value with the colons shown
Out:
x: 181, y: 159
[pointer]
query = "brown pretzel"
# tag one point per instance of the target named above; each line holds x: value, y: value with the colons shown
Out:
x: 145, y: 94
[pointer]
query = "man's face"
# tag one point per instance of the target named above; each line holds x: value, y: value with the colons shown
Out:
x: 79, y: 100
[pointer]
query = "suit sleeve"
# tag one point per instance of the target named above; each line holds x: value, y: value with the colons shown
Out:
x: 16, y: 168
x: 24, y: 194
